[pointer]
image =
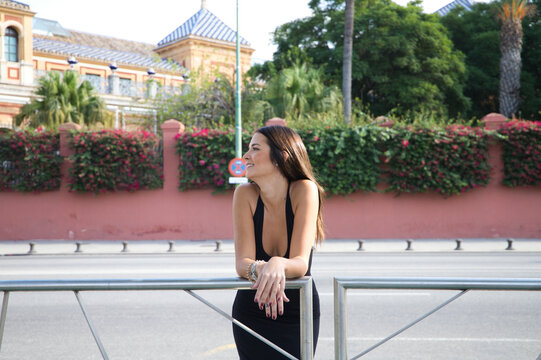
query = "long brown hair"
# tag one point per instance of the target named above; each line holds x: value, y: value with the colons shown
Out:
x: 296, y: 165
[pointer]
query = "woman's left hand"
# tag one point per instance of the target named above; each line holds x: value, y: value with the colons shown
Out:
x: 270, y: 285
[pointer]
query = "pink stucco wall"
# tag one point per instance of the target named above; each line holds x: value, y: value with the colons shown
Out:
x: 494, y: 211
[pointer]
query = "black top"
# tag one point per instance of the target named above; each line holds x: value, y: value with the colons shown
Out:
x: 258, y: 217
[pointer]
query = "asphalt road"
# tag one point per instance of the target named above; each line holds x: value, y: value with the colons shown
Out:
x: 174, y: 325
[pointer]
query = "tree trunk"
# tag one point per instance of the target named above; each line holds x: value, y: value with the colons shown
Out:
x: 347, y: 60
x: 510, y: 65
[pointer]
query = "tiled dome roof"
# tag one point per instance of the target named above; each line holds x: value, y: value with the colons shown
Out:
x: 466, y: 4
x: 204, y: 24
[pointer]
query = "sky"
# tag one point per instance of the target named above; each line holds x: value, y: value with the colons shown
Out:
x: 151, y: 20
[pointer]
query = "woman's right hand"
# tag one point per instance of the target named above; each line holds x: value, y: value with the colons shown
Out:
x: 270, y: 285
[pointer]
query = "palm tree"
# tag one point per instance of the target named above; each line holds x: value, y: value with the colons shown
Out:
x: 299, y: 91
x: 348, y: 59
x: 511, y: 16
x: 62, y: 99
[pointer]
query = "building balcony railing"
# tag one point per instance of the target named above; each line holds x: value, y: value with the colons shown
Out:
x: 115, y: 85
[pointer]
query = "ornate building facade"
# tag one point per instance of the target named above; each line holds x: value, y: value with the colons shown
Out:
x: 119, y: 69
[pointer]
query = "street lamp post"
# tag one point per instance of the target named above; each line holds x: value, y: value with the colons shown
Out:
x: 238, y: 120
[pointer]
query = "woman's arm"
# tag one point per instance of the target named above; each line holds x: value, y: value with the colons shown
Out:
x: 243, y: 228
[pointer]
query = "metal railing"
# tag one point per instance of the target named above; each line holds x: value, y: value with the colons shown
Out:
x: 127, y: 87
x: 463, y: 285
x: 77, y: 286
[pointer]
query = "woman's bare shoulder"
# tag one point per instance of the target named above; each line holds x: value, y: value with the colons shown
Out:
x: 247, y: 193
x: 303, y: 188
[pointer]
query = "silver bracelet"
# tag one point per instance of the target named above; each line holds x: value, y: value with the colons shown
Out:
x: 252, y: 275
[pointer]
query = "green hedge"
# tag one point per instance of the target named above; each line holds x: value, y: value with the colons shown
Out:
x: 29, y: 161
x: 448, y: 160
x: 522, y: 153
x: 346, y: 160
x: 115, y: 160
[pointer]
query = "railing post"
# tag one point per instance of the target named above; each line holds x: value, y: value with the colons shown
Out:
x: 91, y: 326
x: 3, y: 316
x: 340, y: 337
x: 170, y: 129
x: 307, y: 325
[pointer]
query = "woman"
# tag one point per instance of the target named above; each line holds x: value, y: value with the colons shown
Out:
x: 277, y: 220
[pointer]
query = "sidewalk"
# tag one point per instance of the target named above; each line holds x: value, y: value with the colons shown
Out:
x: 65, y: 247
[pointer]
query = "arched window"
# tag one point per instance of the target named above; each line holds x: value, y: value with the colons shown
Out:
x: 11, y: 44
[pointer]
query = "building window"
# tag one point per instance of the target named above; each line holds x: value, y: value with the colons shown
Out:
x: 96, y: 81
x: 11, y: 45
x: 126, y: 87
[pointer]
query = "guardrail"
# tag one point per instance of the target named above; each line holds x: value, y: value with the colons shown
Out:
x: 77, y: 286
x: 464, y: 285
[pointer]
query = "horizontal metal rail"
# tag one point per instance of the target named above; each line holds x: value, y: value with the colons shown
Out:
x: 341, y: 284
x: 304, y: 284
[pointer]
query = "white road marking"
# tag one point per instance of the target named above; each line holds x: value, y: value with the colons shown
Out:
x: 379, y: 294
x: 444, y: 339
x: 44, y: 271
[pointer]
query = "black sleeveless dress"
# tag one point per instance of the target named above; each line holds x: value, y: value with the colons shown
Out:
x: 285, y: 330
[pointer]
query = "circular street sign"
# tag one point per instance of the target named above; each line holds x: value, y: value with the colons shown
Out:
x: 237, y: 167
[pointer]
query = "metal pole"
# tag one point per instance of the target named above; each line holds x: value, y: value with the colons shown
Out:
x: 340, y: 339
x: 155, y: 122
x: 307, y: 325
x: 238, y: 120
x: 3, y: 316
x: 94, y: 332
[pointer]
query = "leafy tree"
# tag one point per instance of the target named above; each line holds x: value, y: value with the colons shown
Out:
x: 61, y: 99
x: 402, y: 58
x: 476, y: 34
x: 208, y: 101
x: 511, y: 15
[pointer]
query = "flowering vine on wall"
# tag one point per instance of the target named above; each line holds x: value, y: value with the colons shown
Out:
x: 204, y: 158
x: 29, y: 161
x: 115, y: 160
x: 522, y: 153
x: 447, y: 160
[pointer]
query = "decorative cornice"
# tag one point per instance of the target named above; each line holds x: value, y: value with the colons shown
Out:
x: 14, y: 5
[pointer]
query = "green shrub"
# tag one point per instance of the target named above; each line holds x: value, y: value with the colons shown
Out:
x: 344, y: 159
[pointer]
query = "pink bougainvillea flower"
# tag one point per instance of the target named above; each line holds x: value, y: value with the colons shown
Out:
x: 405, y: 143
